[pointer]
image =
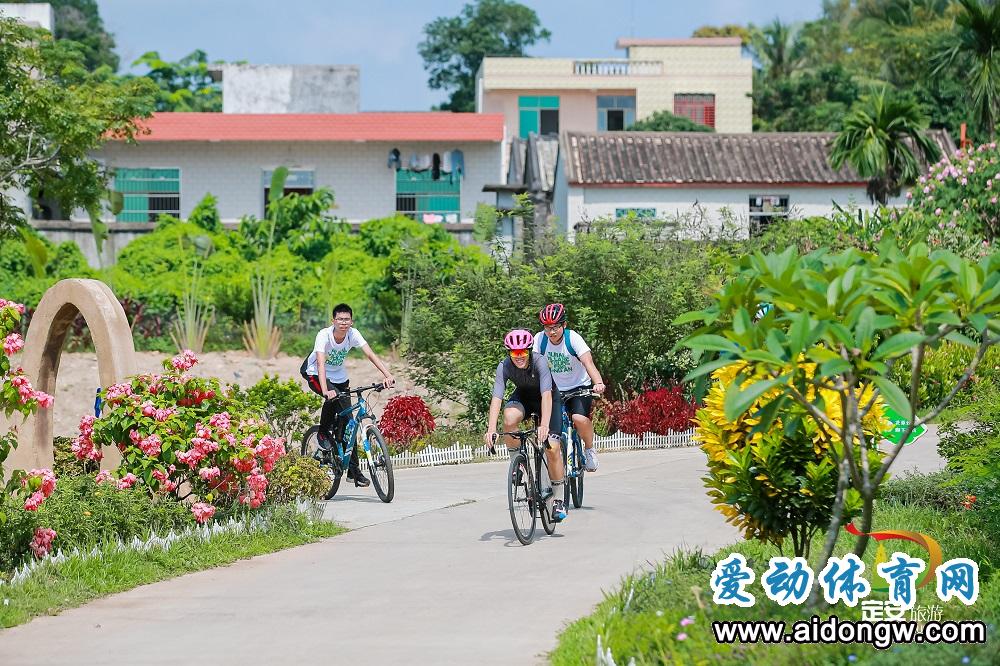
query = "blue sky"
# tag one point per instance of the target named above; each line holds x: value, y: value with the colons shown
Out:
x: 381, y: 36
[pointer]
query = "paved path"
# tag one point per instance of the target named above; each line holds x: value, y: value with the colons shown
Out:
x: 436, y: 577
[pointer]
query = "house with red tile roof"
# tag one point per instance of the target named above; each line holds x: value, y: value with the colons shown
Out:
x: 428, y: 165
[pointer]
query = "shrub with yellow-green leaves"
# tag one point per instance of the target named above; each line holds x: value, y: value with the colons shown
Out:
x: 779, y: 482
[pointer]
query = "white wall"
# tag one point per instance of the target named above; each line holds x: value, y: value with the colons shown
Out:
x: 356, y: 172
x: 584, y: 203
x: 38, y: 15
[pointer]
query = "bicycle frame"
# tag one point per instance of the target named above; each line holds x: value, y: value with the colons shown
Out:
x: 573, y: 454
x: 352, y: 426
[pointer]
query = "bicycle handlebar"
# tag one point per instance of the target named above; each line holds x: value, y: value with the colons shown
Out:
x: 359, y: 390
x: 581, y: 393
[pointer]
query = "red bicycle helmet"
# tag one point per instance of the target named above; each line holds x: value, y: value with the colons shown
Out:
x: 518, y: 339
x: 551, y: 314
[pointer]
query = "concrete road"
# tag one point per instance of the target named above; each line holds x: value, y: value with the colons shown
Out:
x: 437, y: 577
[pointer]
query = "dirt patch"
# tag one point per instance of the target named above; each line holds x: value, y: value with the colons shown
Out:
x: 78, y: 379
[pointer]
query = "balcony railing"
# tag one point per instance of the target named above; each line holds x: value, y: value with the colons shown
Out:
x: 617, y: 67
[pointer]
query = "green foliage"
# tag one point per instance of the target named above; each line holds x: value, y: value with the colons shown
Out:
x: 19, y: 282
x: 84, y: 514
x: 444, y: 437
x: 640, y: 619
x: 288, y: 410
x: 664, y: 121
x: 618, y: 283
x: 972, y: 448
x: 815, y: 100
x: 80, y: 21
x: 55, y: 114
x: 874, y: 141
x: 839, y: 323
x: 300, y: 221
x: 728, y: 30
x: 943, y: 367
x: 297, y: 476
x: 973, y: 50
x: 185, y: 85
x: 936, y: 490
x: 454, y: 47
x: 206, y: 215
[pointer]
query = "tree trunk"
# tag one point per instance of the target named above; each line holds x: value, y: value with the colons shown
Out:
x: 866, y: 525
x: 834, y: 529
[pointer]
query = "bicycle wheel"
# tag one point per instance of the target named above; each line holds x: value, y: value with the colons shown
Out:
x: 380, y: 464
x: 311, y: 448
x: 543, y: 483
x: 520, y: 498
x: 580, y: 467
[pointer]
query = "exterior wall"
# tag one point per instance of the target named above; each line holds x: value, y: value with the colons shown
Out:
x: 38, y: 15
x: 654, y: 73
x: 577, y: 108
x: 718, y: 70
x: 356, y: 172
x: 290, y: 88
x: 590, y: 203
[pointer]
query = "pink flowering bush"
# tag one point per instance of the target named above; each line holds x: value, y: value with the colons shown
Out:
x: 41, y: 544
x: 958, y: 201
x: 185, y: 436
x: 18, y: 397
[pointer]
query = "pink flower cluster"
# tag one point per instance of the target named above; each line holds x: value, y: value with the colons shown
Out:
x: 83, y: 446
x: 28, y: 394
x: 104, y: 477
x: 209, y: 474
x: 127, y: 481
x: 202, y: 511
x: 12, y: 344
x: 41, y: 544
x: 45, y: 486
x: 150, y: 445
x: 269, y: 451
x: 117, y: 392
x: 166, y: 484
x: 161, y: 414
x: 184, y: 361
x: 256, y: 486
x: 4, y: 303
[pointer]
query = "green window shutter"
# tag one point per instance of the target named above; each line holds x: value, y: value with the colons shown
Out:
x: 417, y: 193
x: 528, y: 122
x: 139, y: 186
x: 548, y: 102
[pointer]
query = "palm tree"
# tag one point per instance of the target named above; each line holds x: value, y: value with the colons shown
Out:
x: 779, y: 49
x: 975, y: 49
x: 878, y: 138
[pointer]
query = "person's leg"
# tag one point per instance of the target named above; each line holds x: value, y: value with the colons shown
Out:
x: 579, y: 409
x: 327, y: 414
x: 513, y: 414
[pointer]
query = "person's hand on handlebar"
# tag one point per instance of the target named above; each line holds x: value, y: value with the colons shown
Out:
x: 543, y: 433
x: 599, y: 388
x: 389, y: 382
x: 331, y: 393
x: 491, y: 437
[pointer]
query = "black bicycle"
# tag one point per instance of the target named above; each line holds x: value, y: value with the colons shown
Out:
x: 527, y: 496
x: 335, y: 460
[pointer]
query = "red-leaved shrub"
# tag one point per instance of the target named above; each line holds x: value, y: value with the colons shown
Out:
x: 659, y: 411
x: 404, y: 419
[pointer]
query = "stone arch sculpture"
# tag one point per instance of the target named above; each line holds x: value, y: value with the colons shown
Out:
x: 50, y: 323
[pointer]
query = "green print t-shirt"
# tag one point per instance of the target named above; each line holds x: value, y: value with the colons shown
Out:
x: 336, y: 353
x: 567, y: 369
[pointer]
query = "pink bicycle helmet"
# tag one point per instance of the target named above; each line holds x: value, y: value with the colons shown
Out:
x: 518, y: 339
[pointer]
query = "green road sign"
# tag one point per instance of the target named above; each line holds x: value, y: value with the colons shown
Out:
x: 899, y: 426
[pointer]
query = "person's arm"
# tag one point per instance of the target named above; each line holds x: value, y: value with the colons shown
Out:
x: 377, y: 362
x: 321, y: 376
x: 491, y: 424
x: 595, y: 376
x: 499, y: 384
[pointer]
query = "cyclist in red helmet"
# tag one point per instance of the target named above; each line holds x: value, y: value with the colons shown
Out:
x: 572, y: 366
x: 534, y: 393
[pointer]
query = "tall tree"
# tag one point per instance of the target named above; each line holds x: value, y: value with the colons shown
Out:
x: 778, y: 48
x: 876, y: 140
x: 185, y: 85
x: 975, y: 49
x: 80, y: 21
x: 454, y: 47
x: 55, y: 113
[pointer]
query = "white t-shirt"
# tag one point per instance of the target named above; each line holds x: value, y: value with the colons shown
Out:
x: 335, y: 352
x: 566, y: 369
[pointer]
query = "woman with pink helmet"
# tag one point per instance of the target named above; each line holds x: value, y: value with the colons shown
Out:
x: 534, y: 393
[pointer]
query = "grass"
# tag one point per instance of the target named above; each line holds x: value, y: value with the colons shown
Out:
x: 75, y: 582
x: 641, y: 619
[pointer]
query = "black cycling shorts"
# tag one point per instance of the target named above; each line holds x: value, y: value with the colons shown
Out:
x: 580, y: 405
x: 533, y: 405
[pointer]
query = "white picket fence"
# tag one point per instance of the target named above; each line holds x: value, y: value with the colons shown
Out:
x: 457, y: 454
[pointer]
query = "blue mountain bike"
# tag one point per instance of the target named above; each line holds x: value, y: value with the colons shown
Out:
x: 573, y: 452
x: 336, y: 459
